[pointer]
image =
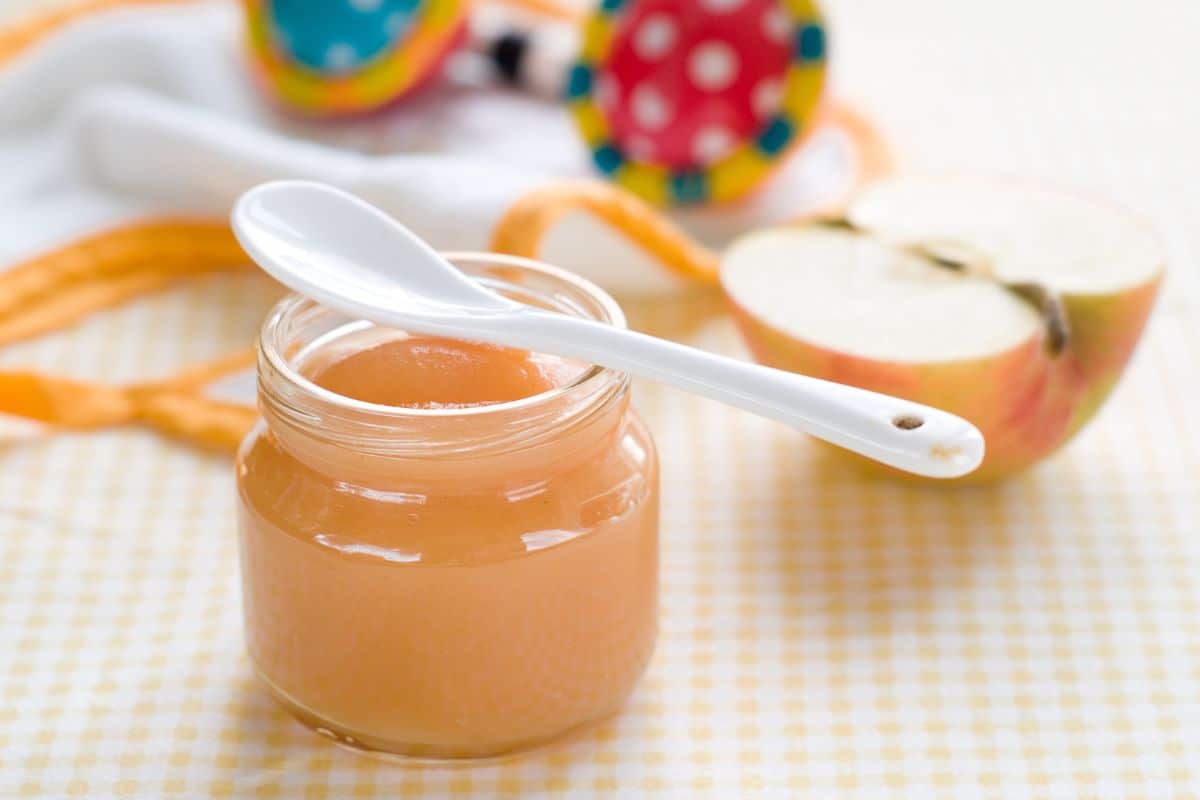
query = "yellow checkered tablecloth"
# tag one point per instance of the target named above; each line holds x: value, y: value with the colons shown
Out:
x: 822, y: 635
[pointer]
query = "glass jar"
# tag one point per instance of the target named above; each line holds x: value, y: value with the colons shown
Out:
x: 451, y: 582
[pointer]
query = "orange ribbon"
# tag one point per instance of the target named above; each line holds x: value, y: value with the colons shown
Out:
x: 176, y: 406
x: 58, y: 288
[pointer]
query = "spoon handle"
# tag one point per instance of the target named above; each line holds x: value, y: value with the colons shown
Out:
x: 909, y: 436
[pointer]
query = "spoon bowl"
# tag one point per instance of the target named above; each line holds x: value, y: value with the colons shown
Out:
x: 338, y: 249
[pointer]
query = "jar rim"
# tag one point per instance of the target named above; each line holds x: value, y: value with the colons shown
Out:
x: 610, y: 313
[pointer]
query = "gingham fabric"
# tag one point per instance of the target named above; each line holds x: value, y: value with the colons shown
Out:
x: 823, y: 635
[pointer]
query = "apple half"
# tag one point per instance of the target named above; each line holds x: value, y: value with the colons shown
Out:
x: 1012, y: 305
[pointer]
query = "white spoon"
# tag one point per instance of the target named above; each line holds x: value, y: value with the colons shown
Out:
x: 350, y: 256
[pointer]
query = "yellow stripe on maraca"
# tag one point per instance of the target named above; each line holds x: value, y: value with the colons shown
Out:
x: 299, y: 88
x: 379, y: 82
x: 802, y: 91
x: 801, y: 10
x: 736, y: 174
x: 647, y: 181
x: 597, y: 38
x: 592, y: 125
x: 437, y: 15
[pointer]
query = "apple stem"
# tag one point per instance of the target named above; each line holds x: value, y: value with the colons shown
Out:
x: 947, y: 254
x: 838, y: 224
x: 932, y: 251
x: 1048, y: 304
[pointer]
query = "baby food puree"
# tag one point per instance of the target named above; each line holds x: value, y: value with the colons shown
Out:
x: 448, y: 549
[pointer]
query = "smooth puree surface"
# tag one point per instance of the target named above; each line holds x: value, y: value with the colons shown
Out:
x: 433, y: 372
x: 463, y: 603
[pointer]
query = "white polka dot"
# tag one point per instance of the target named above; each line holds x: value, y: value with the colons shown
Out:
x: 640, y: 148
x: 655, y: 37
x: 608, y: 94
x: 767, y: 96
x: 711, y: 144
x: 777, y: 25
x: 366, y: 6
x: 722, y: 6
x: 395, y: 22
x: 650, y: 108
x: 340, y: 56
x: 712, y: 65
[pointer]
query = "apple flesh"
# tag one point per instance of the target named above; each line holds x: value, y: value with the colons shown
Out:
x: 1014, y: 306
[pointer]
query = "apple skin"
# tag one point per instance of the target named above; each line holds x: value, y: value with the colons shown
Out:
x: 1025, y: 401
